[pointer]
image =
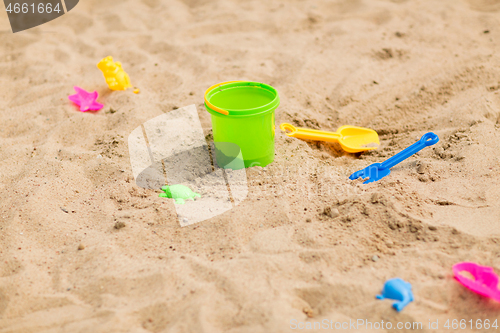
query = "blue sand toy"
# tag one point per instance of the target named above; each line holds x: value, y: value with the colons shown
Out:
x: 397, y: 289
x: 378, y: 171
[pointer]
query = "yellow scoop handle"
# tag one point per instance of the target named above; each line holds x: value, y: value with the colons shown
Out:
x: 308, y: 134
x: 210, y: 105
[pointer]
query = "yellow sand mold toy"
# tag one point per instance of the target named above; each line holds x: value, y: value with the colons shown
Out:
x: 115, y: 76
x: 352, y: 139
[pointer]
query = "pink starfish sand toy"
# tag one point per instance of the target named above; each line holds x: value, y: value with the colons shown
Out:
x: 85, y: 100
x: 485, y: 280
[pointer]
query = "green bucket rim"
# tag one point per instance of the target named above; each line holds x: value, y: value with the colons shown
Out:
x: 271, y: 106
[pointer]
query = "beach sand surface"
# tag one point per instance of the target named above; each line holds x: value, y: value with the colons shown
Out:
x: 307, y: 244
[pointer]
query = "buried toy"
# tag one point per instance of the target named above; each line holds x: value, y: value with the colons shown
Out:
x: 86, y: 100
x: 484, y: 280
x: 399, y: 290
x: 178, y: 192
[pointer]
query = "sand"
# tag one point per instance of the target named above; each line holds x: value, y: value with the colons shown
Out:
x: 84, y: 249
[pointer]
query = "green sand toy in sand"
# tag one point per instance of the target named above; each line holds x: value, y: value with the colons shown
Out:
x: 178, y: 192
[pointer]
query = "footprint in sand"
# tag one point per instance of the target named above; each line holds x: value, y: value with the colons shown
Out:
x: 485, y: 5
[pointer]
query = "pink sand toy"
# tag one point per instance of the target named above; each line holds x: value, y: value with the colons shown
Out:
x: 85, y: 100
x: 485, y: 280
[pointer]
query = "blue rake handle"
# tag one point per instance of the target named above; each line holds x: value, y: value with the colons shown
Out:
x: 378, y: 171
x: 426, y: 140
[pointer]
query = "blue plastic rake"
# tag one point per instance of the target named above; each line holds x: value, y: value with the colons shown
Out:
x: 378, y: 171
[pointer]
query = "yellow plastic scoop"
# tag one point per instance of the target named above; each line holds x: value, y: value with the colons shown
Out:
x: 352, y: 139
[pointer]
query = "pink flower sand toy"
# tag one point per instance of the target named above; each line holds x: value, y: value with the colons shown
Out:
x: 485, y: 280
x: 85, y: 100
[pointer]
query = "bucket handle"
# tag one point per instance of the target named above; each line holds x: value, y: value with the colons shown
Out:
x: 210, y: 105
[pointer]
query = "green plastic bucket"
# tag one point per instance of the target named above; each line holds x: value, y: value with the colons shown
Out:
x: 243, y: 114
